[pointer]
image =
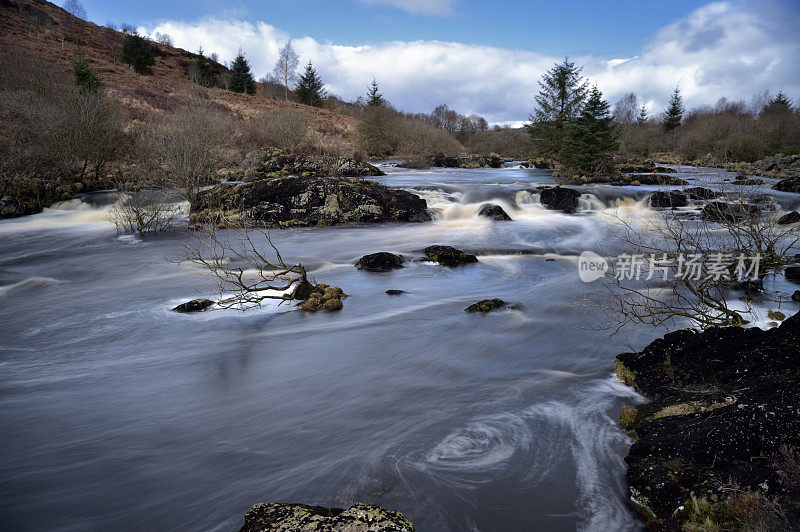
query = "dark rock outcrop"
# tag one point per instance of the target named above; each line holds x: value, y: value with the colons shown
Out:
x: 779, y: 166
x: 466, y: 161
x: 195, y: 305
x: 649, y: 167
x: 487, y: 305
x: 301, y: 517
x: 789, y: 218
x: 301, y: 201
x: 449, y: 256
x: 746, y: 181
x: 796, y: 295
x: 667, y: 200
x: 10, y: 207
x: 273, y: 162
x: 792, y: 273
x: 720, y: 211
x: 721, y: 405
x: 395, y: 292
x: 560, y: 198
x: 788, y: 185
x: 493, y: 212
x: 379, y: 262
x: 700, y: 193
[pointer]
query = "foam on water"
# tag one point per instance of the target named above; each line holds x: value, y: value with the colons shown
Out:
x: 29, y: 285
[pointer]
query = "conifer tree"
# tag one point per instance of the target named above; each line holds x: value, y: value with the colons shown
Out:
x: 138, y: 53
x: 780, y: 104
x: 375, y: 98
x: 310, y: 89
x: 241, y: 78
x: 642, y: 115
x: 674, y: 113
x: 561, y: 95
x: 200, y: 70
x: 85, y: 78
x: 590, y: 138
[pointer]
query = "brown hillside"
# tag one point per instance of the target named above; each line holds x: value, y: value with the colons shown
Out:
x: 44, y: 31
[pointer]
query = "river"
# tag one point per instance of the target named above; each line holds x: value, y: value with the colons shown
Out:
x: 117, y: 413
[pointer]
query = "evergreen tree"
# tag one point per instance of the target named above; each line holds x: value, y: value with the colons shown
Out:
x: 780, y: 104
x: 241, y: 78
x: 310, y: 89
x: 589, y: 139
x: 674, y: 113
x: 561, y: 95
x: 642, y: 115
x: 85, y: 77
x: 200, y: 70
x: 138, y: 53
x: 375, y: 98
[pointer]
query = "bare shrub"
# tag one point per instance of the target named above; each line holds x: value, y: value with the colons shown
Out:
x: 164, y: 39
x: 282, y: 128
x: 144, y: 211
x: 505, y: 142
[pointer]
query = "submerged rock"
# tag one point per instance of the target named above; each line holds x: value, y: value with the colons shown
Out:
x: 300, y: 201
x: 789, y: 218
x: 560, y: 198
x: 195, y: 305
x: 449, y: 256
x: 10, y: 207
x: 722, y: 403
x: 494, y: 212
x: 487, y: 305
x: 380, y: 262
x: 394, y: 292
x: 301, y: 517
x: 667, y: 200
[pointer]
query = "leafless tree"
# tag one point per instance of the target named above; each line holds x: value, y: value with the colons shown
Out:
x: 163, y: 38
x: 282, y: 128
x: 679, y: 280
x: 626, y: 109
x: 144, y: 211
x: 286, y: 68
x: 75, y: 8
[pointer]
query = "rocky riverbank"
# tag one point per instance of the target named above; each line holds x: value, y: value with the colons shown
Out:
x: 300, y: 517
x: 718, y: 439
x: 467, y: 161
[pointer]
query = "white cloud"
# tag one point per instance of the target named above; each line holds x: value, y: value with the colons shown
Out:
x: 418, y: 7
x: 721, y: 49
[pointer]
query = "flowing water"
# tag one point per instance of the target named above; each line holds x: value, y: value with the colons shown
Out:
x: 117, y: 413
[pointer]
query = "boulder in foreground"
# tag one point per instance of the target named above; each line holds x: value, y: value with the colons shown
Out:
x: 300, y: 517
x: 449, y: 256
x: 723, y: 412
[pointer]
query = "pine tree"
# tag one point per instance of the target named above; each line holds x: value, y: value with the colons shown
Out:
x: 138, y: 53
x: 561, y: 95
x: 241, y: 77
x: 310, y: 89
x: 85, y: 78
x: 642, y: 115
x: 674, y: 113
x: 780, y: 104
x: 375, y: 98
x: 200, y: 70
x: 590, y: 138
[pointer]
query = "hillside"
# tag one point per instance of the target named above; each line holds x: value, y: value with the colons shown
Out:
x: 40, y: 30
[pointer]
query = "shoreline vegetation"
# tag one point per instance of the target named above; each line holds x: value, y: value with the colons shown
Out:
x: 87, y: 108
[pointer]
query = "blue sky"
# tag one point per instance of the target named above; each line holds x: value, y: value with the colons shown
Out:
x: 486, y: 57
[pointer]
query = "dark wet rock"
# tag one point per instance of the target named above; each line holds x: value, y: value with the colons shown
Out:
x: 380, y: 262
x: 751, y: 288
x: 449, y: 256
x: 273, y: 517
x: 789, y: 218
x: 720, y: 211
x: 466, y: 161
x: 747, y: 181
x: 778, y: 166
x: 273, y: 162
x: 700, y: 193
x: 792, y: 273
x: 493, y: 212
x: 667, y: 200
x: 657, y: 179
x: 395, y: 292
x: 796, y: 295
x: 560, y: 198
x: 195, y: 305
x: 487, y: 305
x: 10, y: 207
x: 721, y: 404
x: 649, y: 167
x: 788, y: 185
x: 542, y: 164
x: 302, y: 202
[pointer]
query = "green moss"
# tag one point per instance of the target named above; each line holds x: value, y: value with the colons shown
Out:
x: 624, y: 374
x: 628, y: 417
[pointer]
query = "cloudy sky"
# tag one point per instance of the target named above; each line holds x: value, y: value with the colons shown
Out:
x: 486, y: 57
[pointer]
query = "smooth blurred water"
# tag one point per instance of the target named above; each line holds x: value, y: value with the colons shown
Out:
x: 117, y: 413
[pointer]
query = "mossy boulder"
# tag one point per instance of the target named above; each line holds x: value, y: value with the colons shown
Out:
x: 319, y: 297
x: 449, y: 256
x: 277, y: 517
x: 380, y: 262
x: 487, y: 305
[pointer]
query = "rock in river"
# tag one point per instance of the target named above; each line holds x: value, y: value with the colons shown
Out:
x: 792, y: 273
x: 487, y: 305
x: 722, y: 404
x: 493, y: 212
x: 300, y: 518
x: 301, y: 201
x: 449, y: 256
x: 667, y: 200
x: 560, y: 198
x: 195, y: 305
x: 789, y: 218
x: 10, y: 207
x: 380, y: 262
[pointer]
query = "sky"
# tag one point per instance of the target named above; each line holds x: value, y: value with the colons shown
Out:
x: 487, y: 57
